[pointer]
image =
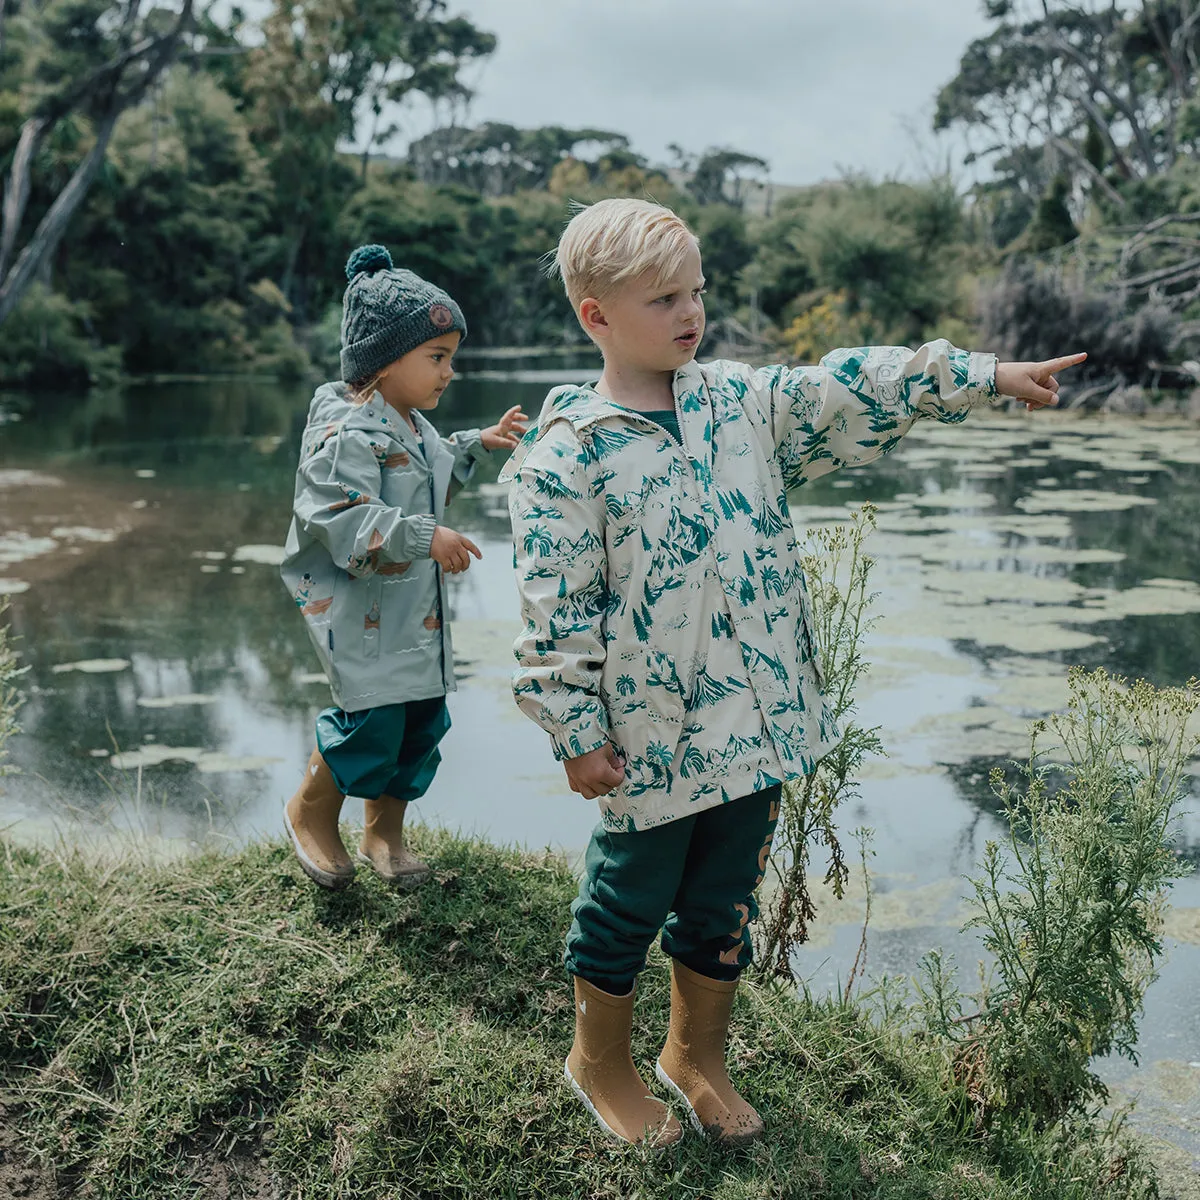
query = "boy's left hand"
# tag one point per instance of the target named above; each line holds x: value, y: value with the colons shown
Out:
x: 1033, y: 383
x: 507, y: 432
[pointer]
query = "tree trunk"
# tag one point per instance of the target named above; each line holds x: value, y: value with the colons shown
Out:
x: 154, y: 55
x: 54, y: 224
x: 16, y: 187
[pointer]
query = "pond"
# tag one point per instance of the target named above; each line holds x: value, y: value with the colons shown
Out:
x: 172, y: 687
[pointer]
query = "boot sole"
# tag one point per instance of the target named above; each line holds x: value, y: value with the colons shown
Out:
x: 405, y: 883
x: 322, y: 878
x: 587, y: 1103
x: 681, y: 1096
x: 713, y: 1136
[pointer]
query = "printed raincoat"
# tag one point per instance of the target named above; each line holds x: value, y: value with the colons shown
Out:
x: 665, y: 607
x: 368, y: 497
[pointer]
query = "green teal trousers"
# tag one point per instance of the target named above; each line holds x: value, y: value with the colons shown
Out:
x: 391, y: 750
x: 693, y: 878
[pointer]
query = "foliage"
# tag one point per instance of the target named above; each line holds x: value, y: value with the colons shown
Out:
x: 495, y: 159
x: 215, y: 1025
x: 1071, y: 911
x: 1032, y: 312
x: 886, y: 256
x: 838, y: 572
x: 47, y: 344
x: 82, y: 65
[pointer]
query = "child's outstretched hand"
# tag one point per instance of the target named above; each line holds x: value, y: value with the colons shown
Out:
x: 597, y: 773
x: 451, y: 551
x: 507, y: 432
x: 1033, y: 383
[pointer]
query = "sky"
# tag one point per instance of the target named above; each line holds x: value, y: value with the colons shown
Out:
x: 815, y: 87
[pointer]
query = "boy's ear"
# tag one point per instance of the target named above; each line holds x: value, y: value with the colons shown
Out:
x: 592, y: 318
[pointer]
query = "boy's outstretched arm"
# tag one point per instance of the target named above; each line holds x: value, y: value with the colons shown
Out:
x: 559, y: 555
x: 857, y: 404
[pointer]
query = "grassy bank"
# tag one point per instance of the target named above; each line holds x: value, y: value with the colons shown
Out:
x: 217, y: 1027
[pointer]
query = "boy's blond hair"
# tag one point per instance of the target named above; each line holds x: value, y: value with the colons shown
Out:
x: 608, y: 242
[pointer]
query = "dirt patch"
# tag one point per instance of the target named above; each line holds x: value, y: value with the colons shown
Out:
x: 20, y: 1177
x: 244, y: 1177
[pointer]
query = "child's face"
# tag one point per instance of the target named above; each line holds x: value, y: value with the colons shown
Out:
x: 418, y: 379
x: 649, y: 327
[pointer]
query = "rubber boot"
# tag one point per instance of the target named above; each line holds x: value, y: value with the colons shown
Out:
x: 382, y: 846
x: 311, y: 819
x: 692, y: 1063
x: 600, y: 1070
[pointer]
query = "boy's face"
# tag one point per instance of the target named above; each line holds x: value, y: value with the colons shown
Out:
x: 418, y: 379
x: 649, y: 327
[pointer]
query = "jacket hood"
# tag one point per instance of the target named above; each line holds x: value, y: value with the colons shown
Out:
x: 582, y: 407
x: 329, y: 406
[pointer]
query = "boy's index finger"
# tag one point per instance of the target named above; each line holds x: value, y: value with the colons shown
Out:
x: 1054, y: 365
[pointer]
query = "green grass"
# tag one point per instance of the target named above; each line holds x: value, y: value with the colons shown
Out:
x: 218, y: 1027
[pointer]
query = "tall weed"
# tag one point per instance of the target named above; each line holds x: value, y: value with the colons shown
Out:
x: 838, y: 572
x: 1070, y: 908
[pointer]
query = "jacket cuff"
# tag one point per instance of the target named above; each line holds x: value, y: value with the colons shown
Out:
x: 981, y: 379
x: 469, y: 447
x: 423, y: 527
x: 588, y: 732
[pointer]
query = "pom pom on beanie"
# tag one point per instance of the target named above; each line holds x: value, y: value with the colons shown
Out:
x: 370, y: 259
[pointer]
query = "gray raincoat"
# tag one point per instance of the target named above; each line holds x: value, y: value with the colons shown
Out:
x: 368, y: 497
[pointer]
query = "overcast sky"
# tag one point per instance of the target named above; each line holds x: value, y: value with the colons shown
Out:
x: 812, y: 86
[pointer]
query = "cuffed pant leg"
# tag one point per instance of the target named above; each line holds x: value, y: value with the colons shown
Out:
x: 708, y: 930
x: 629, y: 882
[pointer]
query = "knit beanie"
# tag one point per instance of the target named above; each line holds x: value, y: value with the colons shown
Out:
x: 388, y: 312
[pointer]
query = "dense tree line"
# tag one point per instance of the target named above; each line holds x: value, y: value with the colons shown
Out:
x: 179, y: 196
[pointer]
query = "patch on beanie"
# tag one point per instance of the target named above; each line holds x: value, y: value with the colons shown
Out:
x: 441, y: 316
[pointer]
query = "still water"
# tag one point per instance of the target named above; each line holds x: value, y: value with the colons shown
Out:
x: 171, y: 685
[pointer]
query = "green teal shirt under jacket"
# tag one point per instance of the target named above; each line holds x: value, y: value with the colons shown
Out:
x: 356, y: 562
x: 664, y: 603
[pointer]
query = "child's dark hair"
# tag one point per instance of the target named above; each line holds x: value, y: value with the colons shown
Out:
x: 359, y: 391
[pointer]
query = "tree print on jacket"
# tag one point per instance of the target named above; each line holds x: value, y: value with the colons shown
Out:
x: 664, y: 604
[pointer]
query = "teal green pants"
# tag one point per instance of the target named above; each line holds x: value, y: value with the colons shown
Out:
x: 387, y: 751
x: 693, y: 878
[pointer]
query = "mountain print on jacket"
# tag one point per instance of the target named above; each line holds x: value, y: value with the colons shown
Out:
x: 664, y: 603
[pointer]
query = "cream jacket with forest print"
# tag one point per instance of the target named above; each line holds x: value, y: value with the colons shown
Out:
x: 664, y: 604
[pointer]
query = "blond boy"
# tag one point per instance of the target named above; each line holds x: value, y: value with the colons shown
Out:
x: 668, y: 649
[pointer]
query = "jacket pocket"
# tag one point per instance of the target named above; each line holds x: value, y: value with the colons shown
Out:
x: 645, y: 702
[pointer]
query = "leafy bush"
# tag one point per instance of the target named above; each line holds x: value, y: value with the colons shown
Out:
x: 1071, y: 909
x: 1036, y: 312
x: 46, y: 344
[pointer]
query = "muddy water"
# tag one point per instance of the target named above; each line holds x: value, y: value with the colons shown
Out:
x: 171, y: 686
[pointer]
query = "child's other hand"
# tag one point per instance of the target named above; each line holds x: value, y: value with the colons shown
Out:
x: 1033, y: 383
x: 507, y: 432
x: 451, y: 551
x: 595, y: 774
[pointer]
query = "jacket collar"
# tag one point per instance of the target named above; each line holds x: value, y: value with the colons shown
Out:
x: 583, y: 407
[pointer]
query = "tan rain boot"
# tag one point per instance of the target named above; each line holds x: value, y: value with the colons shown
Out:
x: 382, y: 846
x: 600, y: 1070
x: 692, y: 1063
x: 311, y: 819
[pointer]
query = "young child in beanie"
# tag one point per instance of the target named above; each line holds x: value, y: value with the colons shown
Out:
x: 365, y: 562
x: 668, y: 646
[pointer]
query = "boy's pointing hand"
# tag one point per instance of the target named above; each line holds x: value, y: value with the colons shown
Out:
x: 595, y: 774
x: 1033, y: 383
